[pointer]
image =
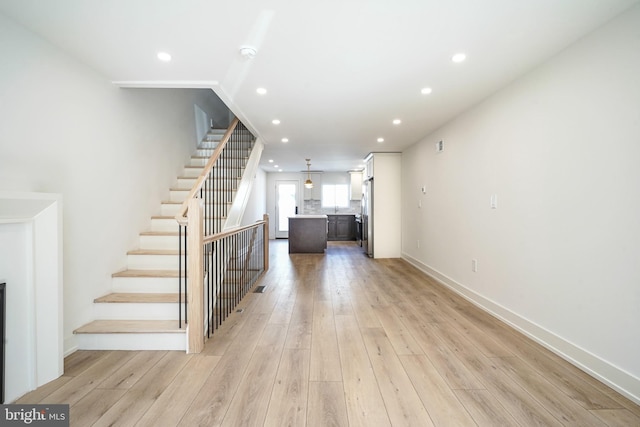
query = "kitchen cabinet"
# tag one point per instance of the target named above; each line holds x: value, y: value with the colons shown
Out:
x: 356, y: 185
x: 381, y: 215
x: 368, y: 168
x: 314, y: 193
x: 341, y: 227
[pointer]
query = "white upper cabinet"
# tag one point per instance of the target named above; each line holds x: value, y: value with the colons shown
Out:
x: 356, y: 185
x: 368, y: 170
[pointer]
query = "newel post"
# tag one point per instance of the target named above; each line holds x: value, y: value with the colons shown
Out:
x: 195, y: 278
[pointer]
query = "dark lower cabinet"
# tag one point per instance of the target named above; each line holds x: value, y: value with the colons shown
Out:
x: 341, y: 227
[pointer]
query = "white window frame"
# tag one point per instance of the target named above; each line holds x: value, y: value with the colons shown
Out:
x: 329, y: 195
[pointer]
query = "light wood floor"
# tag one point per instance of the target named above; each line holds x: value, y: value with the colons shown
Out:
x: 341, y: 340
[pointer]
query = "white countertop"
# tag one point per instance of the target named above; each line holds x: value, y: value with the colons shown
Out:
x: 308, y: 216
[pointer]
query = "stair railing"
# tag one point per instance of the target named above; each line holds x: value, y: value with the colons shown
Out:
x: 210, y: 273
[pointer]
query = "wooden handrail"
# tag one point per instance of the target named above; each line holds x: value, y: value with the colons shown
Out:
x: 229, y: 232
x: 181, y: 215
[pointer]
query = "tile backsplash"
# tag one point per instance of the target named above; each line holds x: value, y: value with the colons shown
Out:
x: 314, y: 207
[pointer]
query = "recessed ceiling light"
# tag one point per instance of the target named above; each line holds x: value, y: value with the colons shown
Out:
x: 248, y: 52
x: 261, y: 91
x: 270, y: 160
x: 164, y: 56
x: 275, y: 121
x: 397, y: 121
x: 280, y: 170
x: 459, y: 57
x: 380, y: 139
x: 426, y: 90
x: 276, y: 166
x: 285, y: 140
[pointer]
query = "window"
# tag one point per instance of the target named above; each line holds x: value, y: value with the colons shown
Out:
x: 335, y: 196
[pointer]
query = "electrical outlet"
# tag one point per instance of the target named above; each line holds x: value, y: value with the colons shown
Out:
x: 474, y: 265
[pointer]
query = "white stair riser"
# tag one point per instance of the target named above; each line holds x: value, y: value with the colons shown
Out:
x: 238, y: 151
x: 176, y: 341
x: 152, y: 262
x: 170, y: 224
x: 209, y: 143
x: 136, y: 311
x: 181, y: 195
x: 178, y: 195
x: 201, y: 162
x: 188, y: 183
x: 146, y: 285
x: 192, y: 172
x: 164, y: 224
x: 171, y: 209
x: 207, y: 152
x: 197, y: 162
x: 158, y: 242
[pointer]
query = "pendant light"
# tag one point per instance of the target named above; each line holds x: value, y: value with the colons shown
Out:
x: 308, y: 183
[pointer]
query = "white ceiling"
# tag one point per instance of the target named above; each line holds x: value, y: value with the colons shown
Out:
x: 337, y: 71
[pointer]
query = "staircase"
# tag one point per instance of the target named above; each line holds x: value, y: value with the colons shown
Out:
x: 142, y: 311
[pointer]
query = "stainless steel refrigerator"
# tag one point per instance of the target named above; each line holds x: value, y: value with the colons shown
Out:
x: 367, y: 216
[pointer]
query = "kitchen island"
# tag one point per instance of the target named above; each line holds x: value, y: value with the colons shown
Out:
x: 307, y: 234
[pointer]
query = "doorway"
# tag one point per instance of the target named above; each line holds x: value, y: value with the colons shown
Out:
x: 286, y: 206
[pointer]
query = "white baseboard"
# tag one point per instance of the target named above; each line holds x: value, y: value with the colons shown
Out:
x: 616, y: 378
x: 70, y: 345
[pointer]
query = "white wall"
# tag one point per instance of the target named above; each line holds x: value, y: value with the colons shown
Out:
x: 257, y: 204
x: 560, y: 256
x: 112, y: 153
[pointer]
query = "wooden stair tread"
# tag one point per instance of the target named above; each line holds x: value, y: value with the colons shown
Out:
x: 147, y: 273
x: 153, y: 252
x: 130, y: 327
x: 131, y: 297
